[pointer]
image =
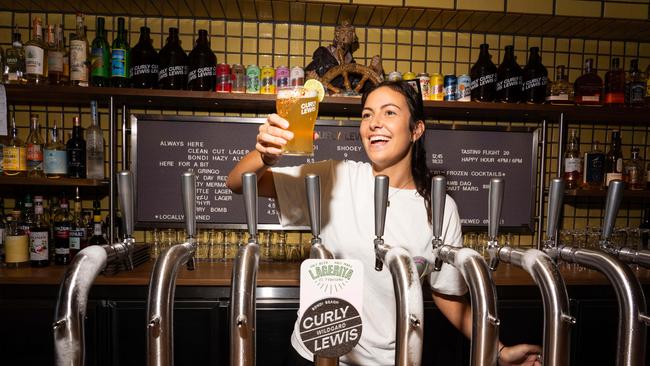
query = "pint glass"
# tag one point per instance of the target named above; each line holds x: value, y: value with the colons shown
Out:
x: 299, y: 106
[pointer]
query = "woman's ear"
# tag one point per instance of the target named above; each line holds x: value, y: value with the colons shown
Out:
x: 418, y: 131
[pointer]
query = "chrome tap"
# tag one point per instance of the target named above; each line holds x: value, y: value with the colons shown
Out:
x: 160, y: 301
x: 485, y: 324
x: 631, y: 301
x: 244, y: 280
x: 408, y: 290
x: 69, y: 338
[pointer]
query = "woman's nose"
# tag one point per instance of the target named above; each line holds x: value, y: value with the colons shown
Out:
x: 375, y: 122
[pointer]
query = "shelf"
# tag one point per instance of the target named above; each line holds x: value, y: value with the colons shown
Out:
x: 11, y: 185
x: 602, y: 193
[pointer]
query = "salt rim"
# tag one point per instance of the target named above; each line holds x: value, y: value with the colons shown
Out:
x: 298, y: 92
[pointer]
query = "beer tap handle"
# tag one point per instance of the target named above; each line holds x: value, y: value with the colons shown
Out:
x: 125, y: 189
x: 312, y: 186
x: 555, y: 197
x: 614, y: 196
x: 249, y: 181
x: 381, y: 203
x: 495, y: 200
x: 188, y: 187
x: 438, y: 197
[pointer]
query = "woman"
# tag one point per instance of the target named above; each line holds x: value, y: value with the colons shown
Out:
x: 392, y: 127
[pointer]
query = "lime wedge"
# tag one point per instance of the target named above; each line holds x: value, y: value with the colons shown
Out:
x: 315, y: 85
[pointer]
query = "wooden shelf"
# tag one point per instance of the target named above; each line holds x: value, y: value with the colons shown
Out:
x: 87, y: 187
x: 602, y: 193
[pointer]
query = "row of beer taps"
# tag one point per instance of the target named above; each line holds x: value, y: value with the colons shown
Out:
x: 542, y: 265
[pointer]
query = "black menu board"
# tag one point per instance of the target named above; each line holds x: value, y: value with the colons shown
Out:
x: 165, y: 146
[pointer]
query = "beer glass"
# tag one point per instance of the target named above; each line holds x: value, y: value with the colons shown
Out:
x: 299, y: 106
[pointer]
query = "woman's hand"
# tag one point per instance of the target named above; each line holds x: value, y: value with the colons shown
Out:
x: 272, y: 137
x: 521, y: 354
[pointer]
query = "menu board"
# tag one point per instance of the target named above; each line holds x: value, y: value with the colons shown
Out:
x: 165, y: 146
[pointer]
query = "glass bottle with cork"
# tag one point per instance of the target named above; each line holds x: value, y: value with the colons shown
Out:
x: 79, y: 54
x: 54, y: 156
x: 572, y: 161
x: 588, y: 87
x: 614, y: 160
x: 34, y: 149
x: 508, y: 87
x: 39, y: 237
x: 100, y: 71
x: 36, y: 55
x: 484, y: 76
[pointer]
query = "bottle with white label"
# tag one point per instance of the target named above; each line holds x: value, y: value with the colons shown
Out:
x: 94, y: 146
x: 54, y: 156
x: 36, y: 55
x: 39, y: 236
x: 79, y: 55
x: 55, y: 55
x: 78, y: 234
x: 572, y: 161
x: 614, y: 160
x: 16, y: 243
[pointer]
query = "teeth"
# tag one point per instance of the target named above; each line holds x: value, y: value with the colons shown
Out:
x: 378, y: 138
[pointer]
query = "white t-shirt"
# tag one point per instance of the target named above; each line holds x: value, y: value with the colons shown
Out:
x: 347, y: 218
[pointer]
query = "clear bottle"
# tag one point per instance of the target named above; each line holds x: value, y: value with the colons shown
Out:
x: 62, y: 225
x: 14, y: 69
x: 36, y: 55
x: 55, y: 55
x: 14, y: 153
x: 484, y: 77
x: 635, y: 85
x: 535, y: 79
x: 572, y: 161
x: 144, y: 62
x: 615, y: 84
x: 202, y: 71
x: 94, y: 146
x: 76, y: 152
x: 78, y: 234
x: 614, y: 160
x: 172, y: 73
x: 39, y: 237
x: 560, y: 91
x: 120, y: 55
x: 34, y: 149
x: 508, y: 87
x: 79, y: 55
x: 588, y: 87
x: 594, y: 162
x: 54, y: 156
x: 16, y: 243
x: 634, y: 174
x: 101, y: 57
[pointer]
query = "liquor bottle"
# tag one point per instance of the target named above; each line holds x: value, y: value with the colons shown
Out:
x: 16, y: 243
x: 588, y: 87
x: 62, y: 226
x: 14, y: 71
x: 508, y: 87
x: 39, y: 237
x: 484, y: 77
x: 572, y: 161
x: 635, y: 85
x: 535, y: 79
x: 615, y: 84
x: 14, y: 153
x: 54, y: 156
x: 78, y: 234
x: 593, y: 177
x: 98, y: 236
x: 26, y: 221
x: 202, y: 70
x: 79, y: 55
x: 120, y: 57
x: 144, y: 62
x: 66, y: 60
x: 34, y: 149
x: 172, y: 73
x: 560, y: 91
x: 644, y: 228
x: 76, y: 152
x: 614, y: 160
x: 94, y: 146
x: 36, y: 55
x: 634, y: 174
x: 55, y: 54
x: 100, y: 57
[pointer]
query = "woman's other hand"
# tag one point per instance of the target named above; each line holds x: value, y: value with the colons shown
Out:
x: 272, y: 137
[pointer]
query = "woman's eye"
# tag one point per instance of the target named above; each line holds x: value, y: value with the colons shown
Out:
x: 365, y: 116
x: 390, y: 113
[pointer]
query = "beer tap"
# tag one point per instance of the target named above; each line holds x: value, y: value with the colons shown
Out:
x: 546, y: 275
x: 626, y: 254
x: 408, y: 290
x: 162, y: 286
x: 244, y: 280
x: 631, y: 301
x: 485, y: 324
x: 69, y: 337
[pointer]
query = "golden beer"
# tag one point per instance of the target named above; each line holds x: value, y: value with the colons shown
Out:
x: 299, y: 106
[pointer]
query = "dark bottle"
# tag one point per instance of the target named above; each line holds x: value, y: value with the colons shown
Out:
x: 144, y: 62
x: 594, y: 168
x: 202, y: 70
x: 78, y: 234
x: 635, y: 85
x: 98, y: 236
x: 644, y: 228
x: 509, y: 78
x: 614, y: 160
x: 484, y: 77
x: 535, y: 79
x: 588, y: 87
x: 120, y: 55
x: 39, y: 236
x: 172, y: 73
x: 100, y: 68
x: 615, y: 84
x: 62, y: 225
x: 76, y: 152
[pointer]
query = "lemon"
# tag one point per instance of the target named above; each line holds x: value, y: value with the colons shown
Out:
x: 315, y: 85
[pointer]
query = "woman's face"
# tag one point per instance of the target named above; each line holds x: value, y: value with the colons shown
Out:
x: 385, y: 131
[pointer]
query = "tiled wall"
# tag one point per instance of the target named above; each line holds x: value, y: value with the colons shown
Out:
x: 401, y: 49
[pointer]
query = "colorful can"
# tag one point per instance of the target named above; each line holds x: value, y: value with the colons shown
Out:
x: 408, y: 76
x: 437, y: 87
x: 282, y: 76
x: 253, y: 79
x: 238, y: 78
x: 224, y: 79
x: 463, y: 88
x: 267, y: 80
x: 395, y: 76
x: 297, y: 76
x: 425, y: 84
x: 450, y: 87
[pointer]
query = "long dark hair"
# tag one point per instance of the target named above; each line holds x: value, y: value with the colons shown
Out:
x: 419, y: 170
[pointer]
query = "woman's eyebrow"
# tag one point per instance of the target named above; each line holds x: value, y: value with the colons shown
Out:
x: 384, y: 106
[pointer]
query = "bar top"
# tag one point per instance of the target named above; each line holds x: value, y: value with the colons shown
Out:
x: 272, y: 274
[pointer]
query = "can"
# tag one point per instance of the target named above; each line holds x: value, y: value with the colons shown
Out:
x: 395, y: 76
x: 425, y: 83
x: 464, y: 89
x: 253, y: 79
x: 450, y: 87
x: 297, y: 76
x: 437, y: 87
x: 408, y: 76
x: 267, y: 80
x: 224, y: 79
x: 282, y: 76
x: 238, y: 78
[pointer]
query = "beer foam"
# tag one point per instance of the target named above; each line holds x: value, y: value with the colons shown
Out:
x: 296, y: 93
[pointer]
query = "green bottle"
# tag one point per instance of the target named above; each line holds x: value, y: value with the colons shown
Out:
x: 101, y: 57
x: 120, y: 58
